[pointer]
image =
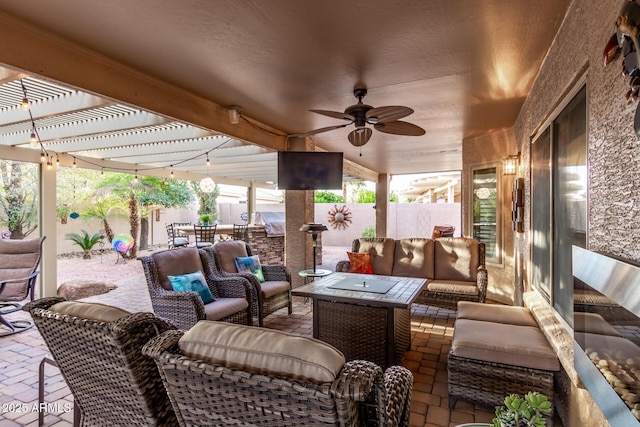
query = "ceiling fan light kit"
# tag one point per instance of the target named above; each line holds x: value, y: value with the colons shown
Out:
x: 384, y: 119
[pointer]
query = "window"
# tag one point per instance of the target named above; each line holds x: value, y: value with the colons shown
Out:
x: 559, y: 202
x: 485, y: 211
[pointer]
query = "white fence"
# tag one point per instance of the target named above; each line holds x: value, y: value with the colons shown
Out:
x: 404, y: 220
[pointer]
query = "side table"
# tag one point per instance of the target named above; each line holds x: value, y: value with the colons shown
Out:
x: 314, y: 273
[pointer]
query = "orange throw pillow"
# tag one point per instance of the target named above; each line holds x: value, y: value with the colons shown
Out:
x: 360, y: 263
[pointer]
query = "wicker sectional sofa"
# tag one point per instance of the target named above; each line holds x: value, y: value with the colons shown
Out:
x: 455, y: 266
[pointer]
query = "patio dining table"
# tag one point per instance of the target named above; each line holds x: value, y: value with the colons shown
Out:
x: 226, y: 229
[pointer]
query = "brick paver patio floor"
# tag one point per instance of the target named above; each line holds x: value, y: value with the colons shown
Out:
x: 432, y: 330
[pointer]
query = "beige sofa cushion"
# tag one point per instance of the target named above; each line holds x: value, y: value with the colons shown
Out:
x: 501, y: 343
x: 496, y: 313
x: 456, y: 258
x: 89, y: 310
x: 413, y: 258
x: 227, y: 253
x: 381, y: 250
x: 223, y: 307
x: 176, y: 262
x: 262, y: 351
x: 452, y: 287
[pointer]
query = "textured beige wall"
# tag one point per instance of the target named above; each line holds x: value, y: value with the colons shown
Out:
x: 613, y: 152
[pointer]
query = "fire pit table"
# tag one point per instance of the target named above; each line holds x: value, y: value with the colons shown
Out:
x: 365, y: 316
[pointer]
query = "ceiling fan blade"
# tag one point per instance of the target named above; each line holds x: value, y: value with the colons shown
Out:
x: 335, y: 114
x: 398, y: 127
x: 359, y: 137
x: 387, y: 114
x: 319, y: 130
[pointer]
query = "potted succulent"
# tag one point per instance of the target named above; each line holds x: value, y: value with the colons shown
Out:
x: 205, y: 219
x: 523, y: 411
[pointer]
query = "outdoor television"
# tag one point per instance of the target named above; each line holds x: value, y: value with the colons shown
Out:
x: 309, y: 170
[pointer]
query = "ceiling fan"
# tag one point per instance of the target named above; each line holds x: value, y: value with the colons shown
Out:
x: 383, y: 119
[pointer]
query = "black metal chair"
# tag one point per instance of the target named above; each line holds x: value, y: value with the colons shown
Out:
x: 205, y: 235
x: 173, y: 240
x: 19, y: 260
x: 180, y: 233
x: 240, y: 231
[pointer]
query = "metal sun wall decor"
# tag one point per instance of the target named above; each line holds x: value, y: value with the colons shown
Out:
x: 339, y: 217
x: 625, y: 40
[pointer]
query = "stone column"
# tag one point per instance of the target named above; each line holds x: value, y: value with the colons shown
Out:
x: 299, y: 207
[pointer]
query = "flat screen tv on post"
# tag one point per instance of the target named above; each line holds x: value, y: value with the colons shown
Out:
x: 309, y: 170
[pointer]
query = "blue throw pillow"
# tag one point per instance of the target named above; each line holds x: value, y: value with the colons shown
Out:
x: 192, y: 282
x: 250, y: 264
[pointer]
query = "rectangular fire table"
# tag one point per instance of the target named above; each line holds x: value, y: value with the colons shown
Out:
x: 364, y: 315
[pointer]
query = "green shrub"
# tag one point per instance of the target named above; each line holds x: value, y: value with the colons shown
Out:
x: 370, y: 231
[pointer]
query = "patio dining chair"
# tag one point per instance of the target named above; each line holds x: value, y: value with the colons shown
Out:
x: 270, y: 292
x: 19, y: 260
x: 240, y: 231
x: 180, y: 233
x: 174, y: 240
x: 205, y: 235
x: 98, y: 349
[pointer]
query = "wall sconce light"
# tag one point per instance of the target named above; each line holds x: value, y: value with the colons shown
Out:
x: 234, y: 114
x: 510, y: 164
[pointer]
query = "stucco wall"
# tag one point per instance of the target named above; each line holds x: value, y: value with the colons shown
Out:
x: 613, y: 156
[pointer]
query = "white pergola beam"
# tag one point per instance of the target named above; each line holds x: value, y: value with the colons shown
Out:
x: 58, y: 105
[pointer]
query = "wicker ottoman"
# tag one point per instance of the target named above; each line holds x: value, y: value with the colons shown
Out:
x: 503, y: 353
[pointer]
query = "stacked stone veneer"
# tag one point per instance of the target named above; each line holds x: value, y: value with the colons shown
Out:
x: 270, y: 249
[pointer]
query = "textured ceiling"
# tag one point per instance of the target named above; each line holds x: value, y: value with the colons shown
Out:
x: 464, y: 66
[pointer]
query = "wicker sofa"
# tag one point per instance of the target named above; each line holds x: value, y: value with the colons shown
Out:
x: 455, y: 266
x: 219, y: 373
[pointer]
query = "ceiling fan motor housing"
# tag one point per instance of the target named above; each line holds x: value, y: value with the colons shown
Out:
x: 359, y: 112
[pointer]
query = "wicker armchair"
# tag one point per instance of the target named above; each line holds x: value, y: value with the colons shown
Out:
x: 98, y: 351
x: 357, y: 393
x: 19, y: 260
x: 232, y: 295
x: 268, y: 296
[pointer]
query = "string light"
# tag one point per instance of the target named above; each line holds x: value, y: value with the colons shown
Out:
x: 57, y: 162
x: 48, y: 159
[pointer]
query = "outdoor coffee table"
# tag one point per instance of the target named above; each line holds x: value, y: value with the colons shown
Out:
x: 364, y: 315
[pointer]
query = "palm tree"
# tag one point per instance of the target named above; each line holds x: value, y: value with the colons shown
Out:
x: 143, y: 194
x: 101, y: 209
